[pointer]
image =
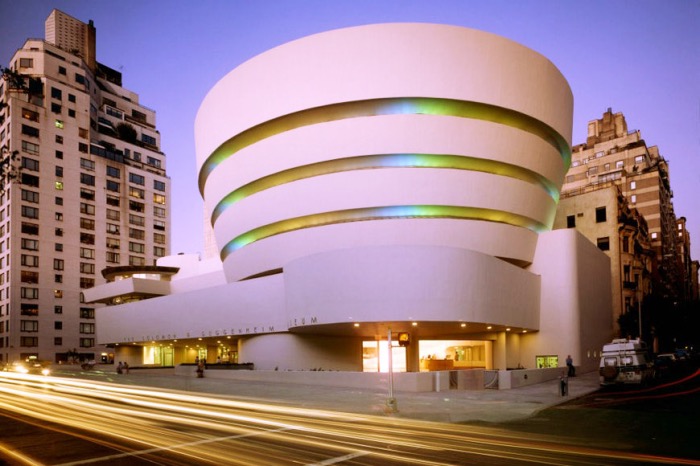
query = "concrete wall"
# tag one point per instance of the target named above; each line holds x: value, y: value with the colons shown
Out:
x: 576, y: 300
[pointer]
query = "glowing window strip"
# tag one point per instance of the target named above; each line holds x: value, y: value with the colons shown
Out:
x: 380, y: 213
x: 390, y: 106
x: 385, y: 161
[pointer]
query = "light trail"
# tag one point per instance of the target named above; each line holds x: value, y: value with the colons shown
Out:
x: 221, y: 430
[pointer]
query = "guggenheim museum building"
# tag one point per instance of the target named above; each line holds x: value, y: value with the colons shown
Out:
x: 388, y: 182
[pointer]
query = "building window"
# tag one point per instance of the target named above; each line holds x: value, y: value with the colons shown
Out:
x: 138, y: 261
x: 112, y: 243
x: 30, y: 244
x: 59, y: 139
x: 159, y: 212
x: 29, y: 342
x: 58, y: 294
x: 29, y: 277
x: 113, y: 171
x: 137, y: 220
x: 113, y: 201
x: 136, y: 192
x: 30, y: 196
x: 113, y: 215
x: 30, y: 180
x: 58, y: 264
x: 30, y: 164
x: 570, y: 221
x: 86, y: 283
x: 87, y: 342
x: 87, y: 224
x: 112, y: 229
x: 158, y: 251
x: 58, y: 309
x: 87, y: 238
x: 87, y: 194
x: 638, y: 159
x: 58, y: 217
x: 87, y: 253
x: 150, y: 140
x: 30, y: 148
x: 137, y: 179
x: 654, y: 235
x: 87, y: 209
x: 29, y: 261
x: 136, y: 206
x: 158, y: 185
x: 136, y: 247
x: 633, y: 198
x: 55, y: 108
x: 30, y: 212
x: 158, y: 225
x: 29, y: 326
x: 158, y: 238
x: 30, y: 131
x: 62, y: 70
x: 30, y: 228
x: 58, y: 200
x: 59, y: 154
x: 57, y: 325
x: 604, y: 244
x: 137, y: 234
x: 30, y: 115
x: 600, y: 215
x: 86, y: 164
x: 58, y: 341
x: 29, y: 309
x: 56, y: 93
x: 625, y: 244
x: 58, y: 278
x: 87, y: 179
x: 152, y: 161
x: 158, y: 199
x: 87, y: 268
x: 29, y: 293
x: 112, y: 257
x: 26, y: 62
x: 87, y: 313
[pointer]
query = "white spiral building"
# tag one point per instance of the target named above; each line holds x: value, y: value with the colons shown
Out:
x: 390, y: 176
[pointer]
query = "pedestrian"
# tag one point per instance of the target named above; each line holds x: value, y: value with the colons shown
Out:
x: 120, y: 368
x: 126, y: 368
x: 570, y: 365
x: 563, y: 384
x: 200, y: 370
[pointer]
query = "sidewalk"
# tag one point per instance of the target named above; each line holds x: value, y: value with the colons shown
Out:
x: 445, y: 406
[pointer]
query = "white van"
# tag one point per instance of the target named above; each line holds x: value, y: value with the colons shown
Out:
x: 625, y: 362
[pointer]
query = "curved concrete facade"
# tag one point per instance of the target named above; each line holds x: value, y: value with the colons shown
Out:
x: 376, y: 179
x: 414, y: 134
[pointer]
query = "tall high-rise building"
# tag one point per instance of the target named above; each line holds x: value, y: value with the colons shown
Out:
x: 84, y: 187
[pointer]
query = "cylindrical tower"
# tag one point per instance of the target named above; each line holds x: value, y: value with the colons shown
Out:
x: 388, y: 134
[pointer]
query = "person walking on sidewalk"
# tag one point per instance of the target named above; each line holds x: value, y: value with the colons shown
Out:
x: 570, y: 365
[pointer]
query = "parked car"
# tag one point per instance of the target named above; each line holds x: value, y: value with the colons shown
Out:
x: 30, y: 366
x: 663, y: 362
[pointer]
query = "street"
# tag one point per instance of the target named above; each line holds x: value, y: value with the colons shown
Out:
x: 60, y: 421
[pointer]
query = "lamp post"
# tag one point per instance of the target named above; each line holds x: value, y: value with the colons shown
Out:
x: 391, y: 406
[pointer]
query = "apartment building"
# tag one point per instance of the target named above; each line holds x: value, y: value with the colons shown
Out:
x: 611, y: 153
x: 604, y: 216
x: 84, y: 188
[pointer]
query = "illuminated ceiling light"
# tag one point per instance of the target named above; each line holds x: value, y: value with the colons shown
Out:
x: 463, y: 325
x: 508, y: 329
x: 200, y: 338
x: 488, y: 327
x: 524, y: 331
x: 356, y: 324
x: 229, y: 337
x: 174, y: 341
x: 414, y: 324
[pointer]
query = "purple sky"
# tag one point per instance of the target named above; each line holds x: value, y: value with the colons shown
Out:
x: 638, y: 57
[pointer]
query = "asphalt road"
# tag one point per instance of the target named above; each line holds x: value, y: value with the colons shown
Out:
x: 69, y: 422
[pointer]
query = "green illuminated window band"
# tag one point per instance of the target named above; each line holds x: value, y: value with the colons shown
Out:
x: 392, y: 106
x: 385, y: 161
x: 380, y: 213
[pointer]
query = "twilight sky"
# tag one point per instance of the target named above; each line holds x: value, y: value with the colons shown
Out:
x: 640, y: 57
